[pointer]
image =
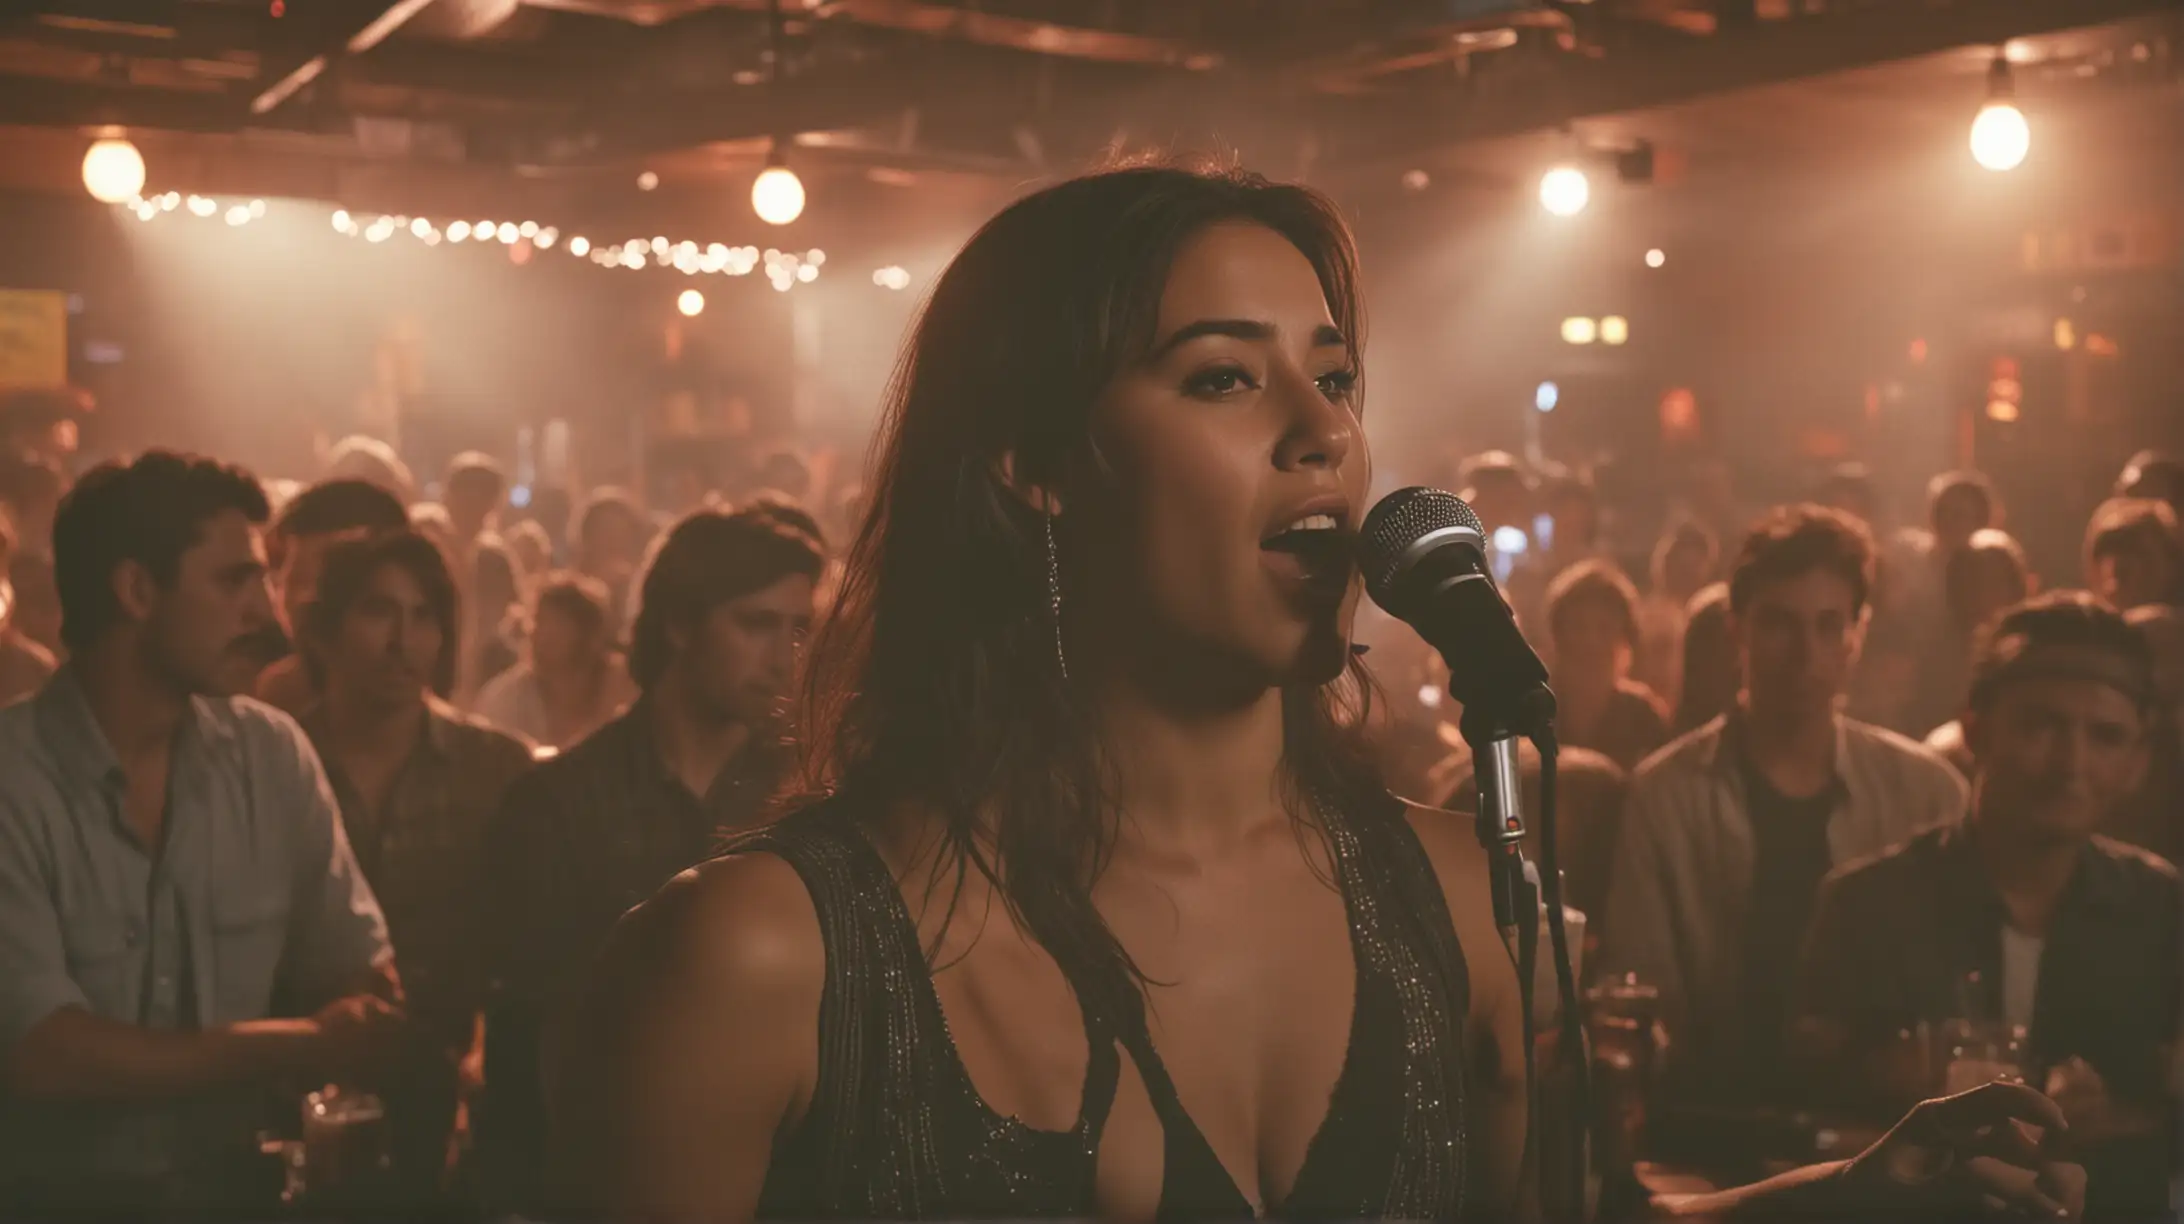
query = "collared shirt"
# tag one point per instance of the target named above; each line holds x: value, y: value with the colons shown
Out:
x: 423, y: 850
x: 578, y: 842
x: 1681, y: 892
x: 591, y: 833
x: 251, y: 888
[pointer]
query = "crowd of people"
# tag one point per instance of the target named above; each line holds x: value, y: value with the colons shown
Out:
x: 459, y: 772
x: 1839, y: 795
x: 478, y: 738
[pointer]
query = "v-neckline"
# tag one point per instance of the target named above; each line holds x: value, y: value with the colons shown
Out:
x: 1168, y: 1103
x: 1095, y: 1096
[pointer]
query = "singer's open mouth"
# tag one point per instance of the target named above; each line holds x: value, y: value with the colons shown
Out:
x: 1312, y: 553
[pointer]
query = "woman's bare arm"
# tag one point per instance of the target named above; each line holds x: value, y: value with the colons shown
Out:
x: 697, y: 1046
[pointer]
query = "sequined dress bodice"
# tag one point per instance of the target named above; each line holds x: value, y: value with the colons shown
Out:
x: 896, y: 1130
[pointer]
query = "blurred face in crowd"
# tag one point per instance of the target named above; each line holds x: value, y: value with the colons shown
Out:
x: 1238, y: 425
x: 1591, y: 646
x: 1982, y: 583
x: 532, y: 551
x: 612, y: 547
x: 561, y: 643
x: 2056, y: 755
x: 1684, y: 570
x: 1958, y: 512
x: 2134, y: 575
x: 1577, y: 520
x: 195, y: 628
x: 471, y: 500
x: 1798, y: 640
x: 388, y: 645
x: 1501, y: 500
x: 301, y: 562
x: 739, y: 661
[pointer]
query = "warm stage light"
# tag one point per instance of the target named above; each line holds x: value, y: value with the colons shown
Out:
x: 580, y: 246
x: 691, y: 303
x: 1579, y: 330
x: 778, y: 195
x: 113, y: 171
x: 2000, y: 137
x: 1656, y: 257
x: 203, y: 206
x: 1564, y: 191
x: 458, y: 230
x: 647, y: 181
x: 1615, y: 329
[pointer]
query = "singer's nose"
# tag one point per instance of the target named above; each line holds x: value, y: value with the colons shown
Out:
x: 1323, y: 433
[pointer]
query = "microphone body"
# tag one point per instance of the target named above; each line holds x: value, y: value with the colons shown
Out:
x: 1424, y: 557
x: 1423, y: 553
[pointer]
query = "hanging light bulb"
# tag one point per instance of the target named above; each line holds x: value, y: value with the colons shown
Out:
x: 113, y: 170
x: 778, y: 195
x: 690, y: 303
x: 2000, y: 136
x: 1564, y: 191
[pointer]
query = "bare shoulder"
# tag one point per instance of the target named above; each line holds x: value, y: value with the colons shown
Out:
x: 1452, y: 847
x: 741, y: 927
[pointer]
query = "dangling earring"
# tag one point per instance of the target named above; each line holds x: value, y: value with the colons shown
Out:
x: 1054, y: 596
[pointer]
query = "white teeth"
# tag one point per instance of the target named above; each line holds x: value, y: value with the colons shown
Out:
x: 1312, y: 522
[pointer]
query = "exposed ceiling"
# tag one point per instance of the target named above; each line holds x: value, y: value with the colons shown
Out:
x: 454, y: 98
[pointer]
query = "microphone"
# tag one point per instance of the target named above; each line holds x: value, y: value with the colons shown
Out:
x: 1423, y: 554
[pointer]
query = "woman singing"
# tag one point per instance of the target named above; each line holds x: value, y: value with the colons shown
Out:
x: 1106, y: 914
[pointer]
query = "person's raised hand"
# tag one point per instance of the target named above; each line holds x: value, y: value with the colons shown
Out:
x: 1969, y: 1152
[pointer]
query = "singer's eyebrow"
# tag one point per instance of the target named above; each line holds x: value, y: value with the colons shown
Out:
x: 1326, y: 335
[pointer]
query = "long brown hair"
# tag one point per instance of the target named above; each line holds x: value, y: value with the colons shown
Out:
x: 936, y: 681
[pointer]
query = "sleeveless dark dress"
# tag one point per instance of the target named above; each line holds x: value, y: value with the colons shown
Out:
x: 897, y: 1131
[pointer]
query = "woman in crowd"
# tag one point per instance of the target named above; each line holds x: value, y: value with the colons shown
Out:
x: 1107, y: 912
x: 572, y: 679
x: 1592, y: 613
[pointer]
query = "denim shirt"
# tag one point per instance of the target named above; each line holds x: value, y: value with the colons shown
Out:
x: 251, y: 894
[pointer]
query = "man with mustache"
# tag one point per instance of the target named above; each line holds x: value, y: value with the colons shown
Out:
x: 416, y: 781
x: 170, y: 866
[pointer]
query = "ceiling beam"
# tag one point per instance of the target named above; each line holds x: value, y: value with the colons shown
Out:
x: 382, y: 19
x: 1555, y: 90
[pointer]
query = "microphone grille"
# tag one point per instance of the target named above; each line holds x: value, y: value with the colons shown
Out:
x: 1395, y: 523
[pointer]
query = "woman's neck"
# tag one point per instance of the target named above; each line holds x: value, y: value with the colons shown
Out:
x: 1191, y: 777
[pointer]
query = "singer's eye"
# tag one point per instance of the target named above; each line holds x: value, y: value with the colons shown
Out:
x: 1338, y: 384
x: 1219, y: 382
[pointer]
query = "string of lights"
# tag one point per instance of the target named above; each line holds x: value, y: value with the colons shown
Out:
x: 784, y: 270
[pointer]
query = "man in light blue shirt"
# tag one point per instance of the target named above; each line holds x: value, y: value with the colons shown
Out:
x: 173, y: 873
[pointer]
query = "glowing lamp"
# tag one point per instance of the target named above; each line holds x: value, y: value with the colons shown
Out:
x: 1564, y: 191
x: 113, y: 171
x: 778, y: 195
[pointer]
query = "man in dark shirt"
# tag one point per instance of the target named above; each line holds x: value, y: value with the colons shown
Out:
x: 2023, y: 916
x: 725, y: 607
x: 417, y: 781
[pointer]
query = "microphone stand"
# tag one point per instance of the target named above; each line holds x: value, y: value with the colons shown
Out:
x: 1495, y: 735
